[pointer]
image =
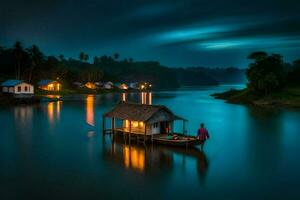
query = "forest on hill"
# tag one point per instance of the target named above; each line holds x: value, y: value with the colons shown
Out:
x: 31, y: 64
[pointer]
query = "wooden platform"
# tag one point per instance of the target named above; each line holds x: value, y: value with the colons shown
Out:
x: 135, y: 131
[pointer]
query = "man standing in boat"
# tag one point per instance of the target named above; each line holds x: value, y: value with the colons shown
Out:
x: 202, y: 135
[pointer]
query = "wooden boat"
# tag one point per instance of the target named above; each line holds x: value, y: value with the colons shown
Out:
x: 179, y: 140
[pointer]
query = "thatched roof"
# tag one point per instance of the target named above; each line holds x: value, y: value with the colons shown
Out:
x: 137, y: 112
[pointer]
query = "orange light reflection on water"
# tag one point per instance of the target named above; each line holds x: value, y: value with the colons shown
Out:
x: 90, y: 110
x: 50, y: 108
x: 134, y: 158
x: 146, y: 98
x: 53, y: 109
x: 123, y: 96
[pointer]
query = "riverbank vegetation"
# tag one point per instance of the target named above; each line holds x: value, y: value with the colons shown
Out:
x: 32, y: 65
x: 271, y: 81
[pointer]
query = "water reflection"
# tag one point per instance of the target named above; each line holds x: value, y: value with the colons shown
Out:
x: 124, y: 97
x: 23, y: 114
x: 134, y: 157
x: 149, y: 158
x: 53, y: 96
x: 50, y: 108
x: 53, y: 110
x: 202, y: 165
x: 23, y: 117
x: 142, y: 97
x: 90, y: 103
x: 146, y: 98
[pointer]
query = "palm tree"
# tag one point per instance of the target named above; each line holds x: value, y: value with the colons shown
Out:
x: 81, y: 56
x: 36, y: 57
x: 18, y: 53
x: 116, y: 56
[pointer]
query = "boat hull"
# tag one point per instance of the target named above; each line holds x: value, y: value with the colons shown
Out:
x: 184, y: 141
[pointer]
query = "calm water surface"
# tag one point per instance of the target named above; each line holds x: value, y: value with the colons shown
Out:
x: 56, y: 150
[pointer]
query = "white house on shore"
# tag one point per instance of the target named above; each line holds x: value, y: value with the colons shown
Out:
x: 17, y: 87
x: 108, y: 85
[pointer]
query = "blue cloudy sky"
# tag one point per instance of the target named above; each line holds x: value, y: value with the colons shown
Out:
x: 211, y: 33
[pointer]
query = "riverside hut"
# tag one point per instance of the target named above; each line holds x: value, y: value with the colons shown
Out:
x: 141, y: 120
x: 17, y: 87
x: 49, y: 85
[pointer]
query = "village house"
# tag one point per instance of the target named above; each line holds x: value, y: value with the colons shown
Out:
x: 17, y: 87
x: 122, y: 86
x: 49, y: 85
x: 141, y: 119
x: 91, y: 85
x: 108, y: 85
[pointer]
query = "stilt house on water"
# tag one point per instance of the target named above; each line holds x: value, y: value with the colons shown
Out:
x: 141, y: 120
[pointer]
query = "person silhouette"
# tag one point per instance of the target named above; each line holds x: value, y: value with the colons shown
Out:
x: 202, y: 135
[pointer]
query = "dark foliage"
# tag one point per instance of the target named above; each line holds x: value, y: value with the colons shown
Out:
x: 293, y: 76
x: 31, y: 65
x: 266, y: 73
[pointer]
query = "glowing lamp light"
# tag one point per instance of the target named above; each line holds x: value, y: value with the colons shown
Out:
x: 135, y: 124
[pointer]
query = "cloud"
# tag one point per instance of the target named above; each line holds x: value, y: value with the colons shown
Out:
x: 251, y: 43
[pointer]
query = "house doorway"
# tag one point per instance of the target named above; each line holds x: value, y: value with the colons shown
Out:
x: 164, y: 127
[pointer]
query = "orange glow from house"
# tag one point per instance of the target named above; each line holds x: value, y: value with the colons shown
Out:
x: 146, y: 98
x: 141, y: 124
x: 90, y: 110
x: 50, y: 108
x: 50, y: 87
x: 123, y: 86
x: 126, y: 124
x: 58, y: 87
x: 51, y: 96
x: 143, y: 97
x: 90, y: 85
x: 126, y: 153
x: 134, y: 158
x: 53, y: 86
x: 135, y: 124
x: 150, y: 98
x: 123, y: 96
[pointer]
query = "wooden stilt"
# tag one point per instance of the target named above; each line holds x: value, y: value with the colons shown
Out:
x: 103, y: 125
x: 183, y: 127
x: 113, y: 125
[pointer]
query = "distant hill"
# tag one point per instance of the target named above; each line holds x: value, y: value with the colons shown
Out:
x: 32, y: 65
x: 193, y: 77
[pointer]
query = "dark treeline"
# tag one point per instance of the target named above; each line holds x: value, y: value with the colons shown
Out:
x: 31, y: 64
x: 269, y: 73
x: 230, y: 75
x: 271, y: 82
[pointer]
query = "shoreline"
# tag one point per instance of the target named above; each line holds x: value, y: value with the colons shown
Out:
x: 288, y: 97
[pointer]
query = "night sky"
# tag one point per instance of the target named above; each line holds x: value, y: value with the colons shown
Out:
x: 211, y: 33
